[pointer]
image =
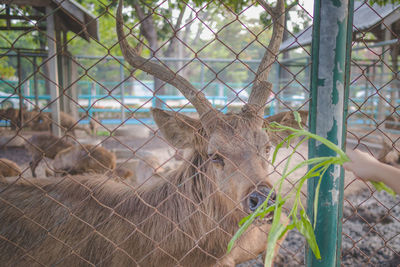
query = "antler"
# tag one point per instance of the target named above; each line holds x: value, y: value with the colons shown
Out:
x: 197, y: 98
x: 261, y: 88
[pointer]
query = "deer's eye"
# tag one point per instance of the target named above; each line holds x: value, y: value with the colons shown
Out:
x: 216, y: 158
x: 268, y: 149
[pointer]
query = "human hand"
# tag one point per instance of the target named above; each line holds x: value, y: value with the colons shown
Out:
x: 363, y: 165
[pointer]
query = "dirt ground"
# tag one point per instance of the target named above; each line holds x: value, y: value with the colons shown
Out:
x: 371, y: 234
x: 371, y: 221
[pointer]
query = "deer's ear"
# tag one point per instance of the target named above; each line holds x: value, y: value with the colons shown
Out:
x: 178, y: 129
x: 285, y: 118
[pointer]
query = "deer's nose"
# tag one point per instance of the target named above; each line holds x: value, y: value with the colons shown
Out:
x: 255, y: 200
x: 258, y: 197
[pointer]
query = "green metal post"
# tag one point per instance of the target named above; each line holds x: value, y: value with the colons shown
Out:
x: 331, y: 45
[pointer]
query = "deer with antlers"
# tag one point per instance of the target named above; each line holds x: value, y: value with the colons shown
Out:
x: 185, y: 219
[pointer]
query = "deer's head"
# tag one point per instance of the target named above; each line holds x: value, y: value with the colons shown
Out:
x: 234, y: 148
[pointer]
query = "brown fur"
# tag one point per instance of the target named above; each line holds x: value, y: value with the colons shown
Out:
x: 11, y: 115
x: 250, y: 244
x: 389, y: 154
x: 45, y: 145
x: 147, y: 170
x: 393, y: 122
x: 122, y: 174
x: 41, y: 121
x: 93, y: 124
x: 186, y: 219
x: 81, y: 159
x: 9, y: 168
x: 30, y: 118
x: 68, y: 123
x: 118, y: 229
x: 286, y: 118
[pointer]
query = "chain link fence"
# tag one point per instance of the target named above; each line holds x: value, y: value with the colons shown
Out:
x: 162, y: 146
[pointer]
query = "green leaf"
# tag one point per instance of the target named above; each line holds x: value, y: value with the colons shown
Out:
x: 324, y: 141
x: 246, y: 223
x: 316, y: 195
x: 288, y: 228
x: 380, y: 186
x: 273, y: 237
x: 276, y: 152
x: 305, y: 228
x: 241, y: 230
x: 319, y: 167
x: 243, y: 220
x: 297, y: 117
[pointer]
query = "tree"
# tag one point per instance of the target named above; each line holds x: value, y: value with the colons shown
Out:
x: 176, y: 29
x: 162, y: 30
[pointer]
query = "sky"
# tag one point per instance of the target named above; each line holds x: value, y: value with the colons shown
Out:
x: 308, y: 5
x: 251, y: 13
x: 254, y: 13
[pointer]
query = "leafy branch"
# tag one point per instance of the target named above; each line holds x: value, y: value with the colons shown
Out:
x: 297, y: 215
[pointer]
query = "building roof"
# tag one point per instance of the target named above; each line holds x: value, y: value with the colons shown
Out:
x: 72, y: 16
x: 80, y: 21
x: 366, y: 18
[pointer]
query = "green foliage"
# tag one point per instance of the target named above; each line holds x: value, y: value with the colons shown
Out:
x: 6, y: 71
x: 245, y: 39
x: 384, y: 2
x: 104, y: 133
x: 297, y: 215
x: 382, y: 187
x: 235, y: 5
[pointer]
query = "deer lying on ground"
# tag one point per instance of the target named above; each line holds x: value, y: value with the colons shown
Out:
x: 41, y: 121
x: 186, y: 219
x: 70, y: 157
x: 9, y: 168
x: 81, y: 159
x: 29, y: 117
x: 11, y: 115
x: 45, y: 145
x: 68, y: 123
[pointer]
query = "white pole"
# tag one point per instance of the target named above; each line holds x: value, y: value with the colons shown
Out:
x: 53, y: 73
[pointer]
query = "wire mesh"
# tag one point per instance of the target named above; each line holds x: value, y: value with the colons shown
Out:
x: 137, y: 176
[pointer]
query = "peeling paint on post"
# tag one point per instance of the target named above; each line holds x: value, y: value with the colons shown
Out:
x: 329, y: 86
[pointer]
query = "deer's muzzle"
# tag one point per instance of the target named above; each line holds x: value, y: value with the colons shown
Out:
x: 256, y: 198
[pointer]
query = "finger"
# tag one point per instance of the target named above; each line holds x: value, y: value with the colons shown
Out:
x: 347, y: 166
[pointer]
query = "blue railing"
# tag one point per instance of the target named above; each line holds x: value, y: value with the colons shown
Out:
x: 143, y: 105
